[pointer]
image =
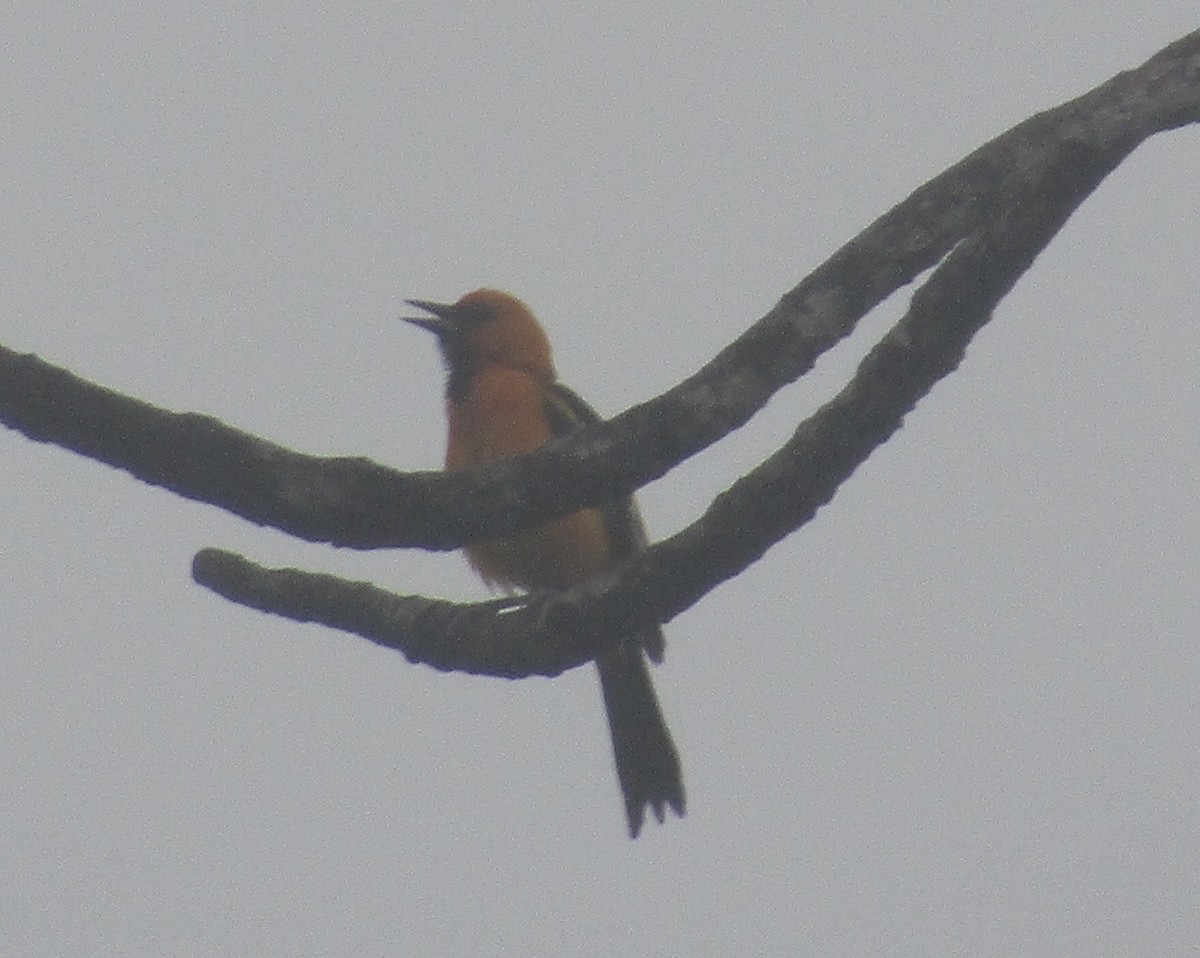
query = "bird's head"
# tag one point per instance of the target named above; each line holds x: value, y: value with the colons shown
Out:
x: 486, y: 326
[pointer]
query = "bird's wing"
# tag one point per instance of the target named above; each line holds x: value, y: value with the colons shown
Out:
x: 566, y: 411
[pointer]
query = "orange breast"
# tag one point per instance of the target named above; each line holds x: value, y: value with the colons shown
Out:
x: 503, y: 414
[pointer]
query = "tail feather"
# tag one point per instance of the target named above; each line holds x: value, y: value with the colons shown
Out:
x: 647, y: 763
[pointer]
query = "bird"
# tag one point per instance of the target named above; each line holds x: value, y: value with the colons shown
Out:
x: 503, y: 398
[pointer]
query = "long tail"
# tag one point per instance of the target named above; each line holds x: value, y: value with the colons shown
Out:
x: 647, y: 763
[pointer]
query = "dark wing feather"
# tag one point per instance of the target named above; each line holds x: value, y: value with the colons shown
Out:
x: 567, y: 411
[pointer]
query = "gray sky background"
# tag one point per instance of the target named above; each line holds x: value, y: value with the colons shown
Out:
x: 954, y: 715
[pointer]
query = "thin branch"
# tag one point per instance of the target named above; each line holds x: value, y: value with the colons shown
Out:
x: 508, y: 638
x: 352, y: 502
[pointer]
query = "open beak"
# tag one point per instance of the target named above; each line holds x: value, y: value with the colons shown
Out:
x: 441, y: 320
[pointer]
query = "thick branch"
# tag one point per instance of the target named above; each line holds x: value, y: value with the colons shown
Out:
x: 337, y: 500
x: 927, y: 344
x: 759, y: 510
x: 352, y: 502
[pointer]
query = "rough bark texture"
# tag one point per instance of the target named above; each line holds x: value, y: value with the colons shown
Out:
x: 984, y: 221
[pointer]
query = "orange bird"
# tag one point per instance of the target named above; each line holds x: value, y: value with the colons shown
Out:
x: 503, y: 399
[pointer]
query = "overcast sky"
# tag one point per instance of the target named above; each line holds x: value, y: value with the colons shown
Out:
x: 956, y: 714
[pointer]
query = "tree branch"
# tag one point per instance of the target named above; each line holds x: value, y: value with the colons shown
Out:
x: 546, y: 633
x: 985, y: 219
x: 355, y: 503
x: 508, y: 638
